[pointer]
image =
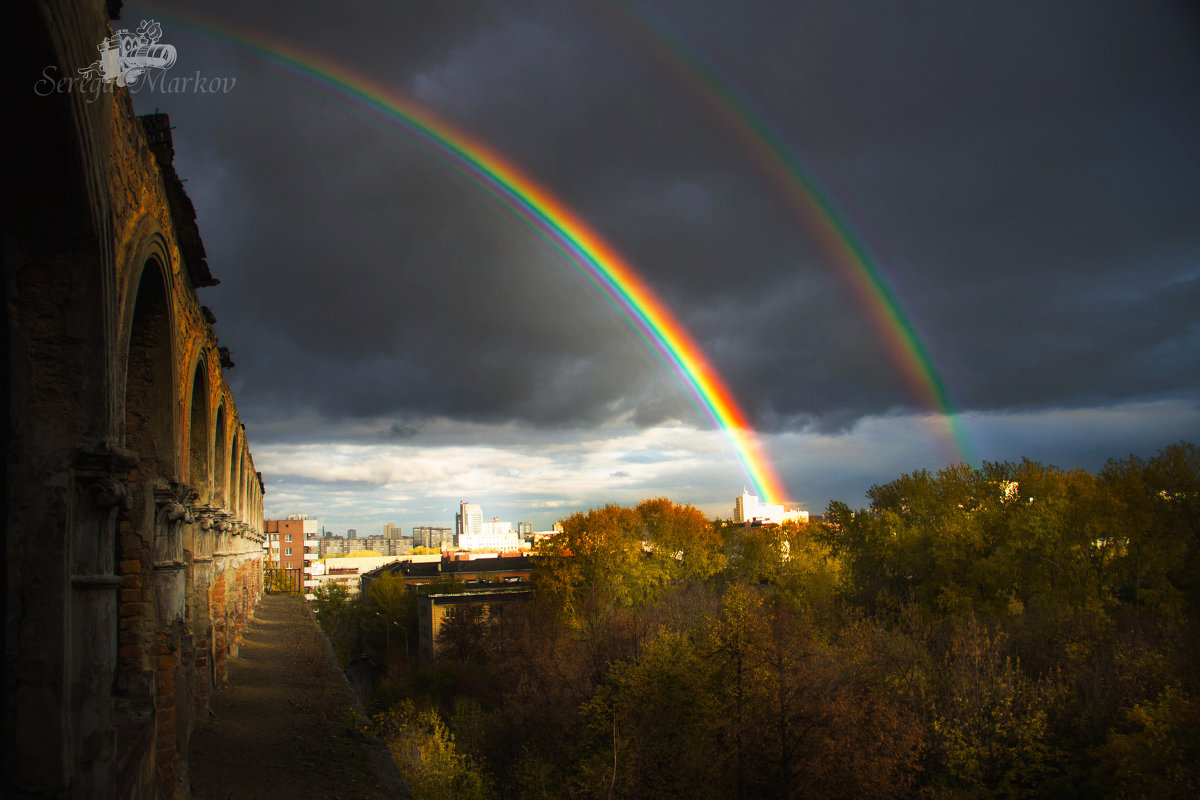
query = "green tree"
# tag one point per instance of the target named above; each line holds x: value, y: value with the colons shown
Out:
x: 464, y: 632
x: 340, y: 618
x: 1160, y: 554
x: 617, y: 557
x: 612, y: 561
x: 649, y: 730
x: 426, y: 755
x: 733, y: 641
x: 991, y: 723
x: 391, y: 616
x: 682, y: 542
x: 1155, y: 752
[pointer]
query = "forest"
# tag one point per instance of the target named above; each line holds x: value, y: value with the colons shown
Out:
x: 1013, y: 630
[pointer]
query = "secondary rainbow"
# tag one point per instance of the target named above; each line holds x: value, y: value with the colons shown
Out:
x: 538, y: 209
x: 812, y: 202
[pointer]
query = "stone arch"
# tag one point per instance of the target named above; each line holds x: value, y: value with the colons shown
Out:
x: 220, y: 454
x: 149, y: 368
x: 245, y: 483
x: 199, y: 452
x: 251, y: 490
x: 255, y: 500
x: 235, y: 453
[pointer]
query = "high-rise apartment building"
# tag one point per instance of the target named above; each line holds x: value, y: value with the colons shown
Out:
x: 286, y: 540
x: 470, y: 519
x: 432, y: 536
x: 390, y: 531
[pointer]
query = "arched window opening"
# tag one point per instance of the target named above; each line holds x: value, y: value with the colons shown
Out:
x: 246, y: 494
x: 198, y: 475
x: 148, y: 379
x: 234, y: 465
x: 220, y: 466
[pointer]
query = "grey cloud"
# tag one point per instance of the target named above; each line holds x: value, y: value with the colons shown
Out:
x: 1025, y: 175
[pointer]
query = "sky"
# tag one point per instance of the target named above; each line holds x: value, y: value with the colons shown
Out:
x: 902, y: 235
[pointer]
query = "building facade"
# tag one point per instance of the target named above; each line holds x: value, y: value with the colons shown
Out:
x: 501, y: 541
x: 469, y: 519
x: 347, y: 571
x: 133, y: 512
x: 489, y: 605
x: 290, y: 538
x: 433, y: 536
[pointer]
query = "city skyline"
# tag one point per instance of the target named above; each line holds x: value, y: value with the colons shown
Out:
x: 1017, y: 189
x: 405, y: 527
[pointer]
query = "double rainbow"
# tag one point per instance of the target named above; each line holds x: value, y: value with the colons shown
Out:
x: 813, y: 203
x: 539, y: 210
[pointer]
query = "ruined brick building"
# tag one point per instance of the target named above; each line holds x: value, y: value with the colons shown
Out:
x: 133, y: 512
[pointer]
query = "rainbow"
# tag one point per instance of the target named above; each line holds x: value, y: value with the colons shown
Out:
x: 537, y: 208
x: 800, y: 188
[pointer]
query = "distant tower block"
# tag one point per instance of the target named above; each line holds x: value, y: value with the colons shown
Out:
x: 470, y: 518
x: 748, y: 510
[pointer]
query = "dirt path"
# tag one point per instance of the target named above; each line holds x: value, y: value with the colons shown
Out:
x: 282, y: 727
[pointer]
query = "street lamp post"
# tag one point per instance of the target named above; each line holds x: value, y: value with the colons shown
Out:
x: 387, y: 636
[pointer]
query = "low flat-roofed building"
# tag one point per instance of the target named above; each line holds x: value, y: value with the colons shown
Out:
x: 501, y: 541
x: 346, y: 570
x: 433, y: 608
x: 421, y: 571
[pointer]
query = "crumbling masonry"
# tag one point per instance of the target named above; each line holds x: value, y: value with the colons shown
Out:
x: 133, y: 513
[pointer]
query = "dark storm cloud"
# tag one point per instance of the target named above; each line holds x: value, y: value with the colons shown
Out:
x: 1025, y: 174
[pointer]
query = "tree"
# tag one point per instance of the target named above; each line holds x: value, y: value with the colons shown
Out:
x: 463, y: 633
x: 391, y: 614
x: 991, y: 724
x: 1160, y: 561
x: 1155, y: 752
x: 649, y: 730
x: 586, y: 569
x: 426, y: 756
x: 340, y: 619
x: 617, y: 557
x: 733, y: 641
x: 681, y: 540
x: 604, y: 566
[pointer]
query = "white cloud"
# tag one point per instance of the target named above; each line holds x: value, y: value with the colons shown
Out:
x: 542, y: 475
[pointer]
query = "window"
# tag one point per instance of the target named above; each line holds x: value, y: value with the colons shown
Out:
x: 287, y: 538
x: 287, y: 551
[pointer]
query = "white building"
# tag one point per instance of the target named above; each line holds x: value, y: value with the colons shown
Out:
x: 496, y: 527
x: 748, y: 509
x: 500, y: 541
x: 346, y: 571
x: 469, y: 519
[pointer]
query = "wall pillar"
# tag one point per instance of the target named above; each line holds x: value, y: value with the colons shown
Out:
x: 99, y: 493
